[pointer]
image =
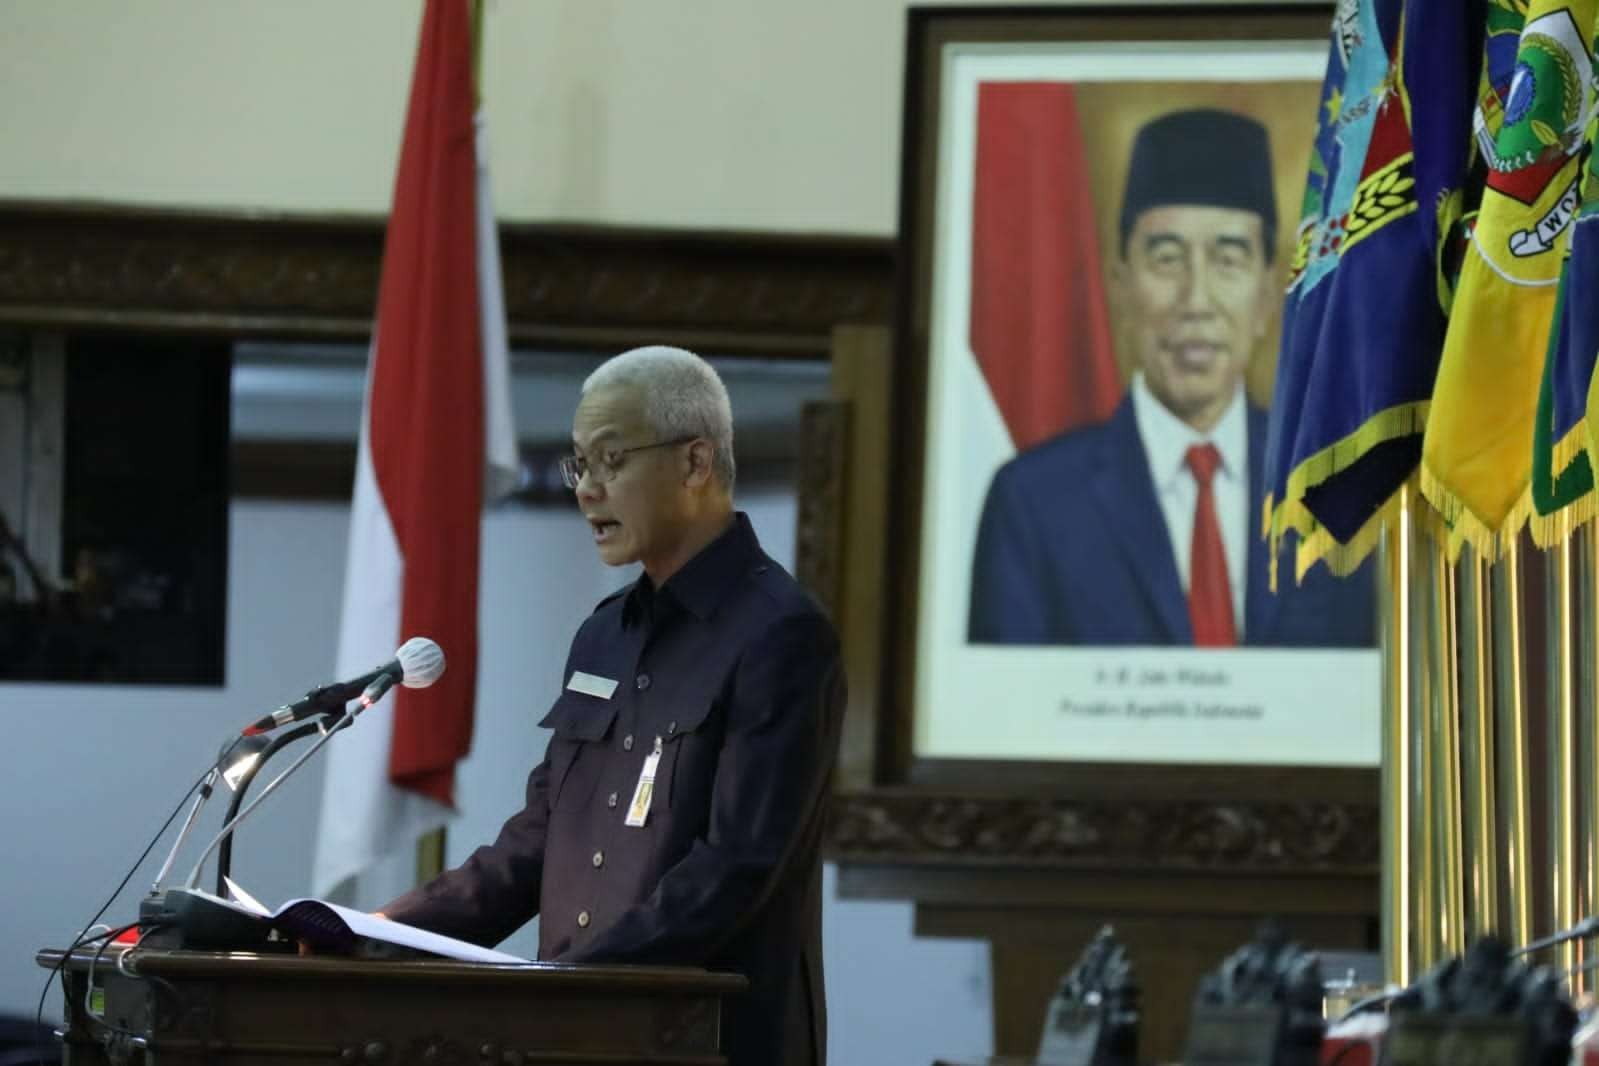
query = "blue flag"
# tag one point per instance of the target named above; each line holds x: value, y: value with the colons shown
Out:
x: 1369, y: 293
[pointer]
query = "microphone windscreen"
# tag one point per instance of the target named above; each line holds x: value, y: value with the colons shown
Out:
x: 421, y: 662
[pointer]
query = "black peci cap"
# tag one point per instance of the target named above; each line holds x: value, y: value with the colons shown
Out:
x: 1204, y: 156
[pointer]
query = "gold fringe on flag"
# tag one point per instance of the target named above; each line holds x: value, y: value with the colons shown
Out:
x: 1317, y: 544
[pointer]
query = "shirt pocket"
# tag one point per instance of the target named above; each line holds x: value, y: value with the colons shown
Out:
x: 689, y: 748
x: 580, y: 724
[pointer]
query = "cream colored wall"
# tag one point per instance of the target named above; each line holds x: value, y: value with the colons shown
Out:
x: 753, y: 114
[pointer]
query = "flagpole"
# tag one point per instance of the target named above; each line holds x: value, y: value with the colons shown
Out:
x: 1399, y: 895
x: 1419, y: 776
x: 1584, y: 543
x: 1477, y: 745
x: 1562, y: 745
x: 1443, y: 771
x: 1512, y: 771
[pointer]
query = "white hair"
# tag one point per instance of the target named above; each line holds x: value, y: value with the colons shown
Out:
x: 682, y: 396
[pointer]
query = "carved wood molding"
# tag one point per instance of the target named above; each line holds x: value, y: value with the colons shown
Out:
x: 818, y: 553
x: 565, y: 285
x: 913, y: 827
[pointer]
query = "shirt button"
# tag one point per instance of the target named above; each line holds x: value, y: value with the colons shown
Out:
x: 582, y: 919
x: 642, y: 682
x: 599, y: 859
x: 627, y: 742
x: 611, y: 800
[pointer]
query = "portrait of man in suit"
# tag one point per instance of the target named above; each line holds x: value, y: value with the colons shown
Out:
x: 1144, y: 529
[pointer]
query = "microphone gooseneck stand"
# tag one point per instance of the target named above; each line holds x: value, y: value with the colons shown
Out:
x: 193, y: 918
x: 189, y: 917
x: 206, y: 785
x: 1581, y: 931
x: 225, y: 851
x: 228, y: 827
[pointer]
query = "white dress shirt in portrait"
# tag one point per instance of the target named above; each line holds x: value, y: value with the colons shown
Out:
x: 1167, y: 439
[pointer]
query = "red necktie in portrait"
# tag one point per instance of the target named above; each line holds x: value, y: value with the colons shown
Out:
x: 1210, y: 597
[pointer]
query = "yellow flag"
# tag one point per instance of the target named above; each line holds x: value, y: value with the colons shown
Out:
x: 1476, y: 458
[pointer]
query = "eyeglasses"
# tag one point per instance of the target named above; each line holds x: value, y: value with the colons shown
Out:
x: 602, y: 469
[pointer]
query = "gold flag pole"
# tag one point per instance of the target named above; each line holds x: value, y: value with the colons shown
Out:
x: 1443, y: 716
x: 1562, y: 755
x: 1398, y: 825
x: 1427, y: 915
x: 1511, y: 751
x: 1477, y: 746
x: 1585, y: 545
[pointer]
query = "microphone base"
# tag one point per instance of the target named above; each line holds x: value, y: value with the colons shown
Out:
x: 180, y: 919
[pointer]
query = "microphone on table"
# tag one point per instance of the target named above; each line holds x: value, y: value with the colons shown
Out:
x: 195, y: 919
x: 1584, y: 929
x: 416, y: 664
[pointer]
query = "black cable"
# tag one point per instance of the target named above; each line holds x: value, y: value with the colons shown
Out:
x: 83, y: 934
x: 90, y: 1018
x: 104, y: 938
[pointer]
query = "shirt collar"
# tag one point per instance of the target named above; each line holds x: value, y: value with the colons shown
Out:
x: 702, y: 583
x: 1167, y: 438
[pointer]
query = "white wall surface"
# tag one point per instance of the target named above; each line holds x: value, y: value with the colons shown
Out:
x: 745, y: 114
x: 92, y: 770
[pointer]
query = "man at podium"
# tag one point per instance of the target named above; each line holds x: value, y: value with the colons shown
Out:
x: 676, y: 816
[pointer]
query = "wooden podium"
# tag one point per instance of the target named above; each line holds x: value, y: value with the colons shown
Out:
x: 186, y: 1008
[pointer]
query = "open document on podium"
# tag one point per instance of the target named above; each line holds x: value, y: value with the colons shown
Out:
x: 330, y: 927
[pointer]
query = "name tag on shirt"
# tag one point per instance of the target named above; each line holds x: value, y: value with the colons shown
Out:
x: 590, y: 685
x: 638, y: 812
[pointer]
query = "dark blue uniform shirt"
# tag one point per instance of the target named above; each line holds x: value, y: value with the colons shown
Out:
x: 732, y: 673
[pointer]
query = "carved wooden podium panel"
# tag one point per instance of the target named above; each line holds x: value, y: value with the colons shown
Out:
x: 183, y: 1008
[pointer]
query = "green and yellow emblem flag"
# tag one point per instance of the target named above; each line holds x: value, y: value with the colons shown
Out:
x: 1476, y: 456
x: 1562, y: 469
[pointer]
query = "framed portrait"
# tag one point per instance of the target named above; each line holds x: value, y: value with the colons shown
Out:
x: 1098, y: 219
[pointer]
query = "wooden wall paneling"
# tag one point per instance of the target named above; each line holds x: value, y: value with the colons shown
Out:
x: 863, y: 378
x: 567, y: 287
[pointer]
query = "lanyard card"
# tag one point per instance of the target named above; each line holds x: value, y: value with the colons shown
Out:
x: 638, y: 812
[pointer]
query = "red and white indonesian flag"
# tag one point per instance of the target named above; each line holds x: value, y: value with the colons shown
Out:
x: 436, y: 439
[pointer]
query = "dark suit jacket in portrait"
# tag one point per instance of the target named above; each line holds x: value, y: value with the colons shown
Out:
x: 1073, y: 549
x: 731, y: 670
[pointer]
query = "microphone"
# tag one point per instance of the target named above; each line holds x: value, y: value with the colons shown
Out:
x: 419, y: 654
x: 374, y: 692
x: 416, y: 664
x: 1582, y: 930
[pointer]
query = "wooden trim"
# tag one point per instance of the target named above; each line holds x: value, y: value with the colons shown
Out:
x: 566, y: 286
x: 818, y: 551
x: 920, y: 827
x: 325, y: 470
x: 862, y: 369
